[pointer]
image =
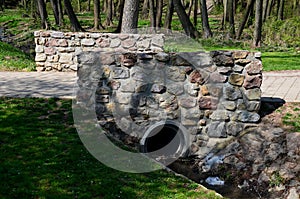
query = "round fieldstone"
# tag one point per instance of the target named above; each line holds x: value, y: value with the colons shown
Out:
x: 252, y: 94
x: 222, y: 58
x: 253, y: 68
x: 245, y: 116
x: 161, y: 56
x: 236, y: 79
x: 252, y: 81
x: 217, y: 130
x: 232, y: 92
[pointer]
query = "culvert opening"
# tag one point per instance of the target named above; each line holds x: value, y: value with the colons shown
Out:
x: 165, y: 139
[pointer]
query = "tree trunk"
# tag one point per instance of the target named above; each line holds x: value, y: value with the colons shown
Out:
x: 89, y: 5
x: 231, y: 18
x: 269, y: 9
x: 60, y: 13
x: 33, y: 9
x: 205, y: 24
x: 130, y: 16
x: 265, y: 8
x: 75, y: 25
x: 159, y: 8
x: 190, y: 7
x: 1, y: 5
x: 280, y: 10
x: 225, y: 14
x: 296, y: 7
x: 54, y: 5
x: 120, y: 9
x: 195, y: 17
x: 109, y: 13
x: 258, y: 23
x: 228, y: 16
x: 245, y: 18
x: 43, y: 13
x: 97, y: 16
x: 145, y: 9
x: 23, y: 2
x: 169, y: 15
x: 152, y: 13
x: 187, y: 25
x: 104, y: 7
x: 78, y: 5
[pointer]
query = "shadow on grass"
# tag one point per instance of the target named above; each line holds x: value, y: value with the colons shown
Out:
x: 43, y: 157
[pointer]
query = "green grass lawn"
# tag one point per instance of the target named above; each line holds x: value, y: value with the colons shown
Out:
x: 13, y: 59
x: 43, y: 157
x: 273, y: 61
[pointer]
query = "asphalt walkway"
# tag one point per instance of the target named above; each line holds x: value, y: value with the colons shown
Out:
x: 283, y: 85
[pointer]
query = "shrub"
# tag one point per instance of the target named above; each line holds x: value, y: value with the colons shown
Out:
x: 284, y: 33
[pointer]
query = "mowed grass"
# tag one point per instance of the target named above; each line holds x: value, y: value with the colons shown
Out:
x: 43, y: 157
x: 273, y: 61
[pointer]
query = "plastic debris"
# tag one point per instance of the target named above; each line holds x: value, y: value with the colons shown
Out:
x: 214, y: 181
x: 211, y: 161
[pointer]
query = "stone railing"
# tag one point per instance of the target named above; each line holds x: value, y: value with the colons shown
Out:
x: 56, y: 51
x: 214, y: 95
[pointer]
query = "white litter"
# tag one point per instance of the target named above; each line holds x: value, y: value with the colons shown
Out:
x: 214, y: 181
x: 211, y: 161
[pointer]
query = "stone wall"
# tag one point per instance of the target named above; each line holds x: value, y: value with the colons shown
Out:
x: 56, y: 51
x: 214, y: 95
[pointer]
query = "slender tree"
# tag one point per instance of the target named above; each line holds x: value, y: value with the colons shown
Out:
x: 231, y: 11
x: 170, y: 11
x: 159, y: 12
x: 54, y: 5
x: 60, y: 13
x: 23, y: 3
x: 109, y: 13
x: 75, y: 25
x: 43, y: 13
x: 120, y: 10
x: 145, y: 9
x: 130, y: 16
x: 191, y: 5
x: 186, y: 23
x: 280, y: 10
x: 88, y: 5
x: 152, y: 13
x: 97, y: 15
x: 269, y: 9
x: 205, y: 24
x: 225, y: 14
x: 265, y: 8
x: 258, y: 23
x: 245, y: 18
x: 78, y: 5
x: 296, y: 7
x: 1, y: 5
x: 195, y: 17
x: 34, y: 10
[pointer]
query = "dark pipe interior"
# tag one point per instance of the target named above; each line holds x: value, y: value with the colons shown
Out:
x: 160, y: 137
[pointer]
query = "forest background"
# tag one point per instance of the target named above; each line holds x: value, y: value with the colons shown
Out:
x: 269, y: 26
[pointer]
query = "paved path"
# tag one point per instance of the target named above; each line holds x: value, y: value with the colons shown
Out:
x: 284, y: 85
x: 281, y: 85
x: 34, y: 84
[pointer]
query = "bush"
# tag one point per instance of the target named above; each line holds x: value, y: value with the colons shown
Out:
x: 284, y: 33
